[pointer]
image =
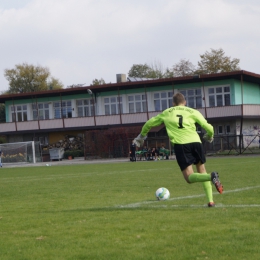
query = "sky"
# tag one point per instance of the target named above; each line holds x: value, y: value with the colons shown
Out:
x: 83, y: 40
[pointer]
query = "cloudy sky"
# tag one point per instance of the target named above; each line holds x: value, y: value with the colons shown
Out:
x: 80, y: 40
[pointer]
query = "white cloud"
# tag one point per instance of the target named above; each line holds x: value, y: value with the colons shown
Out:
x: 86, y: 39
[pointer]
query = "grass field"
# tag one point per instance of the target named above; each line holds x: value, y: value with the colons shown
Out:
x: 109, y: 211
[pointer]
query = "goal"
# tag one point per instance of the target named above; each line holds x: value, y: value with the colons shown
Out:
x: 21, y: 152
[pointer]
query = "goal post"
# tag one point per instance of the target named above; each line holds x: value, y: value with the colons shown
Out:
x: 21, y: 152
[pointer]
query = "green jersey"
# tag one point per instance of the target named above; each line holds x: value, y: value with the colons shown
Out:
x: 180, y: 124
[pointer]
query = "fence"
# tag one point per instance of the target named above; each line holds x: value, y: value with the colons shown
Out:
x: 119, y: 146
x: 233, y: 144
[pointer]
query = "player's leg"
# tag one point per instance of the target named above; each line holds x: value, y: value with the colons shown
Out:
x: 191, y: 177
x: 214, y: 178
x: 200, y: 176
x: 132, y: 156
x: 188, y: 154
x: 206, y: 185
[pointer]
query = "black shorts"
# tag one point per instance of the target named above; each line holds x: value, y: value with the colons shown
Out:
x: 188, y: 154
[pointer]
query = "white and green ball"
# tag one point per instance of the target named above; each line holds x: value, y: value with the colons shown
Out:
x: 162, y: 194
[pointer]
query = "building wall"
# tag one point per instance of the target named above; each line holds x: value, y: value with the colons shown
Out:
x: 224, y: 125
x: 15, y: 138
x: 250, y: 131
x: 251, y: 93
x: 9, y: 104
x: 204, y: 86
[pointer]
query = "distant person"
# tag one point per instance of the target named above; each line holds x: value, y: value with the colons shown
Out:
x: 145, y: 152
x: 162, y: 151
x: 132, y: 152
x: 180, y: 121
x: 149, y: 154
x: 1, y: 154
x: 155, y: 154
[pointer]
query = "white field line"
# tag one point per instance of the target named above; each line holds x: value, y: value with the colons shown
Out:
x: 203, y: 206
x: 138, y: 204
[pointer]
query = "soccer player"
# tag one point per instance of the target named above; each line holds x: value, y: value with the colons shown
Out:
x: 180, y: 121
x: 1, y: 154
x: 132, y: 152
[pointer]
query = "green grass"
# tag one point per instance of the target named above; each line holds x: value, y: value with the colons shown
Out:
x: 109, y: 211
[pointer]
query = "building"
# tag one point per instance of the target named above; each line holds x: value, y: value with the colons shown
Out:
x: 229, y: 101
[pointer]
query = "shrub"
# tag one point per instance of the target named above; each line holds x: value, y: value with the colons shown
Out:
x: 73, y: 154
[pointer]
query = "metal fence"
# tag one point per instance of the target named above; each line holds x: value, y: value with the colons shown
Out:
x: 222, y: 145
x: 233, y: 144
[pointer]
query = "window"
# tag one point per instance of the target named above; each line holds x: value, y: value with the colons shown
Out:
x: 19, y: 113
x: 112, y: 105
x: 137, y: 103
x: 193, y: 97
x: 40, y: 111
x: 220, y: 129
x: 219, y: 96
x: 43, y: 140
x: 227, y: 129
x: 162, y: 100
x: 85, y: 107
x: 62, y: 109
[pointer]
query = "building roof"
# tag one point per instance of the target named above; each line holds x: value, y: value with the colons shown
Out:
x: 239, y: 75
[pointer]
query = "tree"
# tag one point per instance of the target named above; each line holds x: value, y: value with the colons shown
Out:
x: 216, y: 62
x: 96, y: 82
x: 183, y: 68
x: 153, y: 71
x: 157, y: 70
x: 54, y: 83
x: 168, y: 73
x: 29, y: 78
x: 140, y: 71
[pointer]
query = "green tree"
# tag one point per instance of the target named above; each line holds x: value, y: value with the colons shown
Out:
x: 54, y: 83
x: 29, y: 78
x: 96, y: 82
x: 142, y: 71
x: 153, y: 71
x: 215, y: 61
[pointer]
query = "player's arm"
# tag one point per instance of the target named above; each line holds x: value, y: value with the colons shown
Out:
x: 205, y: 125
x: 154, y: 121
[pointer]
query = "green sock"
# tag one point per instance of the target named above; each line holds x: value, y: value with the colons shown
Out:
x: 199, y: 177
x: 208, y: 190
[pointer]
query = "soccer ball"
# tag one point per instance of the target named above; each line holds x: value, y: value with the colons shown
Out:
x: 162, y: 194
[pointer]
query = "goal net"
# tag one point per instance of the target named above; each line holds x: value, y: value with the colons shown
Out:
x: 22, y: 152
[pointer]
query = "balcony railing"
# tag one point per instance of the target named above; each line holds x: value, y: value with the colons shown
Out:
x: 123, y: 119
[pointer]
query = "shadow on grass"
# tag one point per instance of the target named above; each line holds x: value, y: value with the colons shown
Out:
x: 128, y: 207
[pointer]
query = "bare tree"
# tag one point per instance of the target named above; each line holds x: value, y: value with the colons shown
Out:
x: 183, y: 68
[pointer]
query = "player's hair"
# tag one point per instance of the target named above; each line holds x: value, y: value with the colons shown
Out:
x: 178, y: 99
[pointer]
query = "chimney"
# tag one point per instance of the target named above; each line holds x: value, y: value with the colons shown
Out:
x: 120, y: 78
